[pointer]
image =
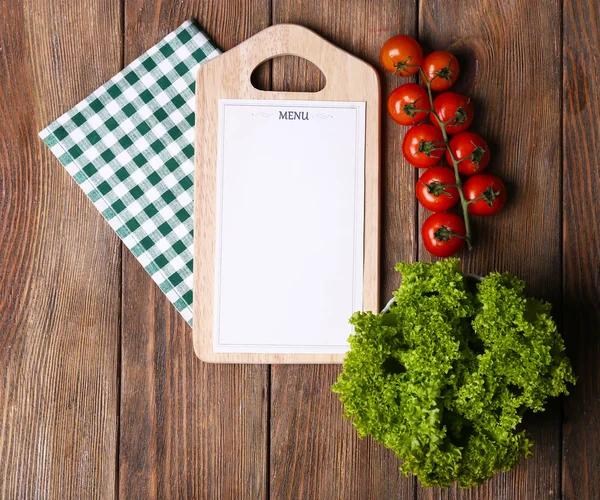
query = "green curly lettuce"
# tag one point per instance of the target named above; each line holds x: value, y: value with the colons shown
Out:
x: 444, y: 376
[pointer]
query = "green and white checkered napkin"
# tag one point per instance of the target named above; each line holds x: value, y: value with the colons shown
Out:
x: 130, y: 147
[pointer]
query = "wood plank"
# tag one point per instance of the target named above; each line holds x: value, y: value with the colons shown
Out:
x: 510, y: 66
x: 60, y: 262
x: 315, y: 453
x: 188, y: 429
x: 581, y: 247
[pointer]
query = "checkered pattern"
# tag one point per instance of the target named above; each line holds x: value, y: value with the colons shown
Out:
x: 130, y: 147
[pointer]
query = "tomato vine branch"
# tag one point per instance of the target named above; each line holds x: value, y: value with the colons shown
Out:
x: 455, y: 162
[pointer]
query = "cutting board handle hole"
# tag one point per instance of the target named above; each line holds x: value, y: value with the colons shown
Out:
x: 288, y: 74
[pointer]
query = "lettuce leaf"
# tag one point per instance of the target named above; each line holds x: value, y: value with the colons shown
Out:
x: 444, y: 376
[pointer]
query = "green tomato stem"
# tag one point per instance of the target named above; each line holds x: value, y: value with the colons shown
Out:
x: 455, y: 162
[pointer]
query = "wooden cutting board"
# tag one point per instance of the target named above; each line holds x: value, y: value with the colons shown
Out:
x: 226, y: 192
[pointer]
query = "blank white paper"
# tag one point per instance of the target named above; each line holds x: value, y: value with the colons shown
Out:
x: 290, y: 225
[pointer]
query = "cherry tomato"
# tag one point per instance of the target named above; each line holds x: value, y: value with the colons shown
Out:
x: 404, y: 102
x: 443, y: 234
x: 455, y: 109
x: 432, y: 191
x: 489, y: 193
x: 423, y: 145
x: 441, y: 69
x: 471, y: 151
x: 401, y: 55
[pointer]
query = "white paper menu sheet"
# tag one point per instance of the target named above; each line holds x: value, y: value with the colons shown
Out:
x: 290, y: 225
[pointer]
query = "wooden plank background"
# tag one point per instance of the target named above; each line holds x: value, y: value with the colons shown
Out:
x: 521, y: 121
x: 60, y: 263
x: 100, y: 393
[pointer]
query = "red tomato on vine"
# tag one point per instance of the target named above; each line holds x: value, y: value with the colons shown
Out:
x: 405, y: 102
x: 401, y: 55
x: 455, y: 110
x: 485, y: 194
x: 441, y: 70
x: 436, y: 189
x: 423, y: 145
x: 471, y: 151
x: 443, y: 234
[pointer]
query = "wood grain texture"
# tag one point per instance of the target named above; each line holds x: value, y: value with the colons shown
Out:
x: 188, y: 429
x: 228, y: 77
x: 193, y: 430
x: 59, y: 264
x: 581, y: 246
x: 315, y: 453
x: 511, y: 68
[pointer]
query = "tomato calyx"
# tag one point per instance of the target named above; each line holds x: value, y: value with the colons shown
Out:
x: 477, y: 155
x: 489, y: 195
x: 428, y: 147
x: 460, y: 117
x: 444, y: 73
x: 442, y: 233
x: 402, y: 65
x: 436, y: 188
x: 411, y: 110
